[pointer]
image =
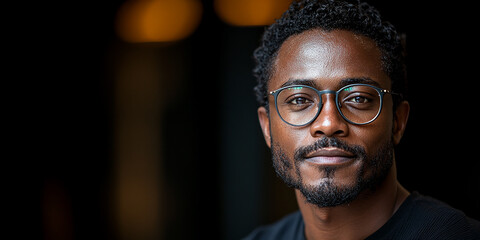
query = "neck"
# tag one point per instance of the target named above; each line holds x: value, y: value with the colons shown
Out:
x: 358, y: 219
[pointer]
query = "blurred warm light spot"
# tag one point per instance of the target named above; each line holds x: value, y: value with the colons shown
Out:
x: 137, y: 172
x: 250, y: 12
x: 158, y: 20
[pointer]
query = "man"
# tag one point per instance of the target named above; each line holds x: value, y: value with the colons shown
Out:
x: 330, y: 84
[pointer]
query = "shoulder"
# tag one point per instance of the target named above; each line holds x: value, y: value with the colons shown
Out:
x: 289, y: 227
x: 428, y: 218
x: 438, y: 212
x: 444, y: 221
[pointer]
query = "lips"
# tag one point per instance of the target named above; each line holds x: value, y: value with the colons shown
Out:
x: 330, y: 156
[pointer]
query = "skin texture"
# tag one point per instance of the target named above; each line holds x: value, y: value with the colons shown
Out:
x: 325, y: 59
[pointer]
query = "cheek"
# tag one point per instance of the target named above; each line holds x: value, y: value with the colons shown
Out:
x: 373, y: 135
x: 288, y: 137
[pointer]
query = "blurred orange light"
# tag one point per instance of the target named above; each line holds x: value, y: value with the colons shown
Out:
x: 157, y: 20
x: 250, y: 12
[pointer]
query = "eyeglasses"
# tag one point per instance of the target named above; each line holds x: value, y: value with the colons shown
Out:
x: 300, y: 105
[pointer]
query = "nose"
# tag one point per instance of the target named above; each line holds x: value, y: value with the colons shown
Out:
x: 329, y: 122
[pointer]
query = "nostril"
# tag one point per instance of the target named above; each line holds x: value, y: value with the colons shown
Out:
x: 338, y: 132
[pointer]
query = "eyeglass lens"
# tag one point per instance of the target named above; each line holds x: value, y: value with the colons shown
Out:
x: 299, y: 105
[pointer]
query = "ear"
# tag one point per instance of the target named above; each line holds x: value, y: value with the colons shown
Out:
x: 264, y: 120
x: 400, y: 122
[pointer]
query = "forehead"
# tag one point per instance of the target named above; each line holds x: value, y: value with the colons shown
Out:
x: 327, y: 58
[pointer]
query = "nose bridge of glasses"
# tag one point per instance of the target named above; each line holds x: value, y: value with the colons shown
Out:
x: 328, y: 104
x: 328, y: 117
x: 326, y: 95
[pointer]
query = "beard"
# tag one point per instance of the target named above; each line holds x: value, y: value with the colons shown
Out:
x: 369, y: 176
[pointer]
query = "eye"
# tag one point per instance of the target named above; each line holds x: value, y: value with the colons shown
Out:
x: 299, y: 101
x: 358, y: 99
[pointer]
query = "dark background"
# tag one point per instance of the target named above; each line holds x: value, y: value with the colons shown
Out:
x: 214, y: 167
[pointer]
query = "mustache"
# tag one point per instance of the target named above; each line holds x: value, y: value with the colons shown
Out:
x: 302, y: 152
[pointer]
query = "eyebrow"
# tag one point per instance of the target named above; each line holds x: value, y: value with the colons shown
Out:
x: 344, y: 82
x: 364, y: 80
x: 306, y: 82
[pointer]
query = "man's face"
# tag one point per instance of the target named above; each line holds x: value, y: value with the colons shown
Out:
x: 330, y: 160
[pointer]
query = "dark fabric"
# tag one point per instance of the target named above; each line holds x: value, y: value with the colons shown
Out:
x: 419, y: 217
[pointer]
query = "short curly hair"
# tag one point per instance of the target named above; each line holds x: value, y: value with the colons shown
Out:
x: 359, y: 18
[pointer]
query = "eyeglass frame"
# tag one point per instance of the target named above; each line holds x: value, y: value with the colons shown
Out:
x: 381, y: 93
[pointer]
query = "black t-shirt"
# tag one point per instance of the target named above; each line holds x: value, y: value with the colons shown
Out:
x: 419, y: 217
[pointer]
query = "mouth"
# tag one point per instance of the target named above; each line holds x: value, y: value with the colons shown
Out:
x: 331, y: 156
